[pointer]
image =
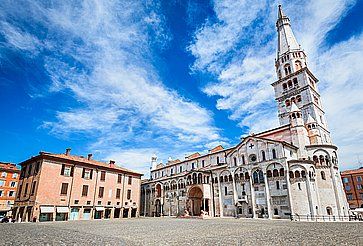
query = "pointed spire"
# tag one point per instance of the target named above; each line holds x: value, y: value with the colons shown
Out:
x: 310, y: 119
x: 294, y: 108
x: 286, y: 38
x: 281, y: 13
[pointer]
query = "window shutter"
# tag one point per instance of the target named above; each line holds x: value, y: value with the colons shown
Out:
x: 83, y: 173
x: 72, y: 170
x: 62, y: 171
x: 90, y: 175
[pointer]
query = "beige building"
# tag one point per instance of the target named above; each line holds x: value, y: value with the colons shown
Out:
x: 288, y: 171
x: 67, y: 187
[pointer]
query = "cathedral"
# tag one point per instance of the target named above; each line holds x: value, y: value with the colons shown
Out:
x: 290, y: 170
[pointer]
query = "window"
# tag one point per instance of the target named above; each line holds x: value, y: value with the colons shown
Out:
x: 118, y: 193
x: 193, y: 165
x: 345, y: 180
x: 3, y: 174
x: 67, y: 170
x: 329, y: 211
x: 103, y: 176
x: 225, y: 191
x: 13, y: 184
x: 359, y: 179
x: 217, y: 159
x: 235, y: 161
x: 274, y: 154
x: 359, y: 186
x: 253, y: 158
x: 171, y: 171
x: 263, y: 155
x: 33, y: 188
x: 243, y: 160
x: 349, y: 197
x: 1, y: 193
x: 37, y: 166
x: 202, y: 163
x: 2, y: 182
x: 11, y: 193
x: 100, y: 192
x: 299, y: 186
x: 323, y: 175
x: 128, y: 194
x: 129, y: 181
x: 87, y: 173
x: 347, y: 187
x: 64, y: 189
x: 181, y: 169
x: 85, y: 190
x: 26, y: 189
x: 15, y: 175
x: 277, y: 185
x: 119, y: 178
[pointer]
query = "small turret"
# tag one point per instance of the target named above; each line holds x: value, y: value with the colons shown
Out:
x: 154, y: 159
x: 295, y: 116
x: 313, y: 131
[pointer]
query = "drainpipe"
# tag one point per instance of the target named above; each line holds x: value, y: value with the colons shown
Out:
x: 214, y: 207
x: 94, y: 195
x: 70, y: 191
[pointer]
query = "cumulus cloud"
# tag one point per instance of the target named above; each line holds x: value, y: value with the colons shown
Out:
x: 242, y: 60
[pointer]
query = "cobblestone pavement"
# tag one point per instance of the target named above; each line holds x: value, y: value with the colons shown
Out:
x: 171, y: 231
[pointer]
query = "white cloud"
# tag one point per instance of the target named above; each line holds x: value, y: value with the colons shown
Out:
x: 243, y: 62
x: 101, y: 53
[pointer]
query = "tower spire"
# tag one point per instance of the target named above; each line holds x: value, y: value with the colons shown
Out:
x: 286, y: 39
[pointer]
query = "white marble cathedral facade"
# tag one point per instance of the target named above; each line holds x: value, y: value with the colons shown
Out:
x: 292, y: 169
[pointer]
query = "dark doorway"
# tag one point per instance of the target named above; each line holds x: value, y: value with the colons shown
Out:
x: 116, y: 214
x: 157, y: 208
x: 107, y: 213
x: 125, y: 213
x: 133, y: 212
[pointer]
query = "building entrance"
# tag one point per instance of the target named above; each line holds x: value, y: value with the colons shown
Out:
x: 157, y: 208
x: 195, y: 199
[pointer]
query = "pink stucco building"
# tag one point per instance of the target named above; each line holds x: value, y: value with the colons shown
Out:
x: 66, y: 187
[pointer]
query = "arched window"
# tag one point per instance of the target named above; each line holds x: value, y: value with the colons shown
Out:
x: 255, y: 177
x: 292, y: 100
x: 275, y: 173
x: 289, y: 83
x: 279, y: 74
x: 296, y: 83
x: 243, y: 160
x: 287, y: 103
x: 269, y: 174
x: 329, y: 211
x: 274, y: 154
x: 217, y: 159
x: 287, y: 69
x: 276, y: 211
x: 216, y: 180
x: 200, y: 178
x: 282, y: 172
x: 298, y: 65
x: 194, y: 178
x: 225, y: 178
x: 297, y: 174
x: 303, y: 174
x: 221, y: 179
x: 284, y: 86
x: 247, y: 176
x: 321, y: 159
x: 260, y: 177
x: 230, y: 178
x: 235, y: 161
x: 236, y: 177
x: 298, y: 98
x: 241, y: 175
x: 323, y: 175
x: 299, y: 186
x: 291, y: 174
x: 316, y: 159
x: 263, y: 155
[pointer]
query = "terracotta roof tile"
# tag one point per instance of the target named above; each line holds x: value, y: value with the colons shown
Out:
x: 354, y: 171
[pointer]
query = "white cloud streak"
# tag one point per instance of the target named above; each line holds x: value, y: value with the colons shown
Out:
x: 243, y: 62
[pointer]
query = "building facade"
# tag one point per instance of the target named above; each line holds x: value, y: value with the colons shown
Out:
x: 289, y: 170
x: 353, y: 186
x: 9, y: 178
x: 59, y: 187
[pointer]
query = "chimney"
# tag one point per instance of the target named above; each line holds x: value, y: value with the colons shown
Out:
x: 89, y: 156
x: 68, y: 151
x: 112, y: 163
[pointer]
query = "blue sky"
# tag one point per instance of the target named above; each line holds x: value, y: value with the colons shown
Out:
x: 125, y: 79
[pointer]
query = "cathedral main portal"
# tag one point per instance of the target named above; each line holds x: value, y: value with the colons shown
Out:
x: 195, y: 198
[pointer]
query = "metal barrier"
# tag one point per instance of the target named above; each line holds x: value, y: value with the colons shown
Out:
x: 320, y: 218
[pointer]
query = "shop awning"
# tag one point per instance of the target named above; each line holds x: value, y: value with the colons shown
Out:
x: 100, y: 208
x: 46, y: 210
x: 62, y: 210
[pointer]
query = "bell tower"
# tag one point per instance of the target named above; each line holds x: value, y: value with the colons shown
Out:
x: 296, y: 84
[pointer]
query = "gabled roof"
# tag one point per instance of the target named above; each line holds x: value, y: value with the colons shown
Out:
x: 216, y: 149
x: 192, y: 156
x: 246, y: 139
